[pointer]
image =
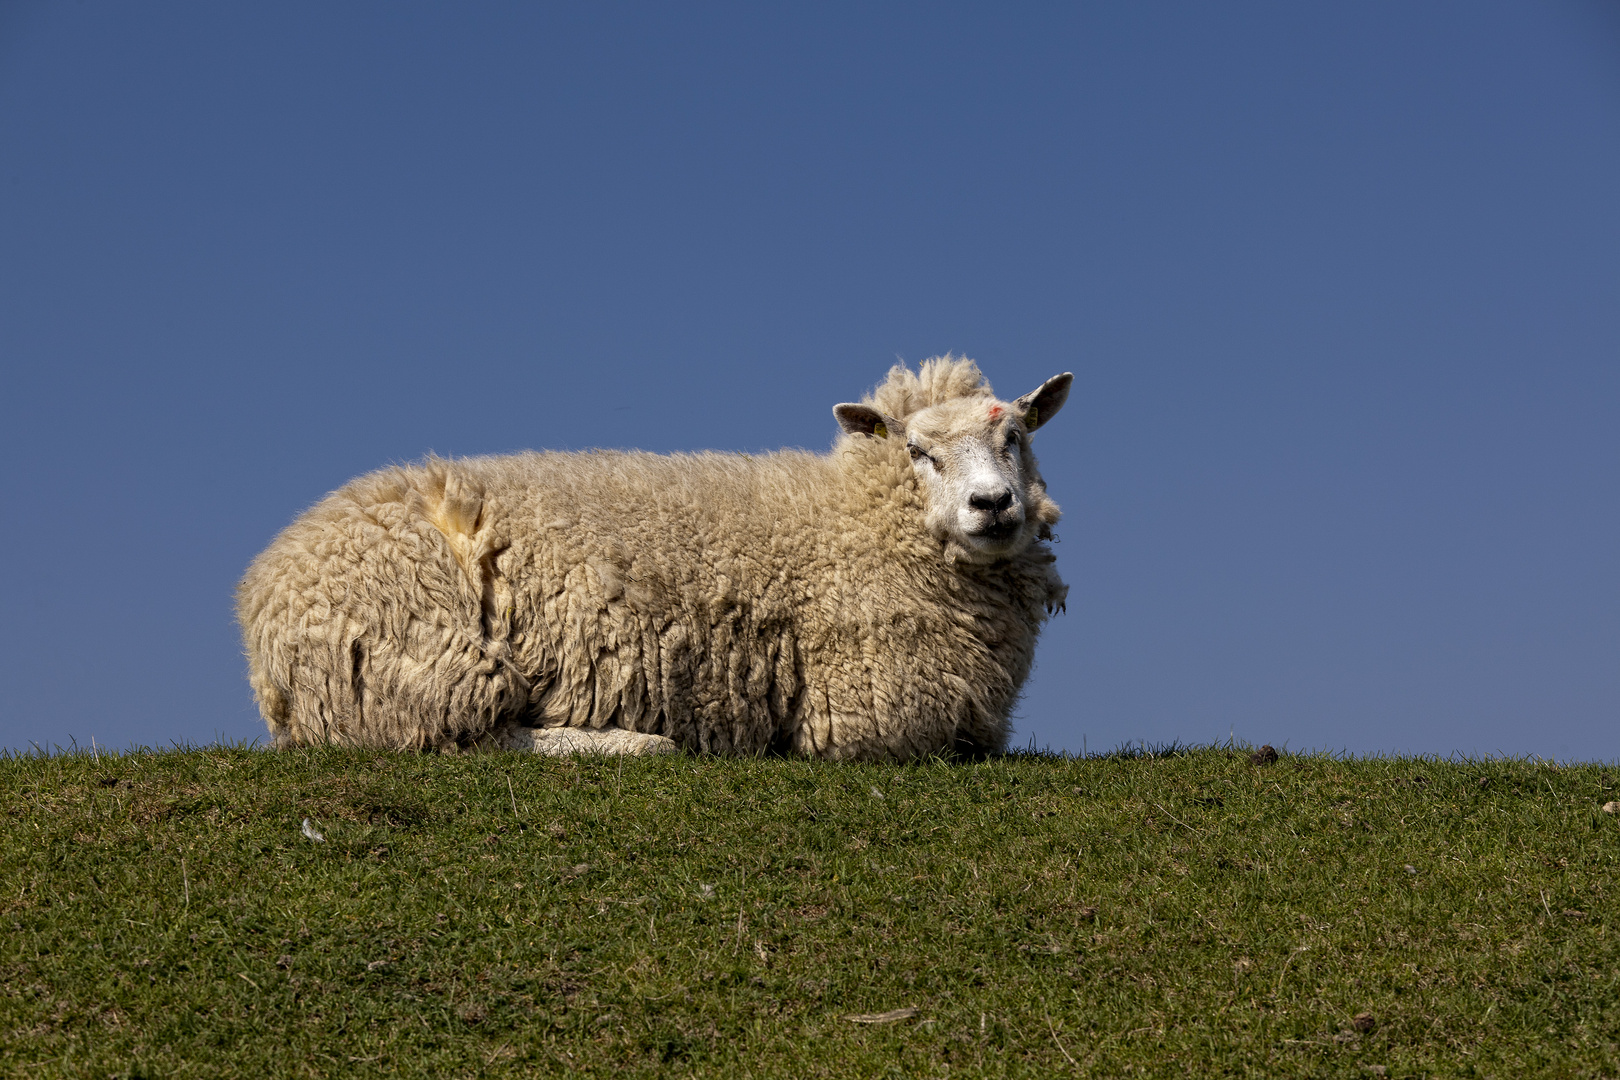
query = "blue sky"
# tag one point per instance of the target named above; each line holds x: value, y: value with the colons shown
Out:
x: 1340, y: 284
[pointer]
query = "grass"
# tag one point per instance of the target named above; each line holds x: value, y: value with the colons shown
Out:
x: 1180, y: 914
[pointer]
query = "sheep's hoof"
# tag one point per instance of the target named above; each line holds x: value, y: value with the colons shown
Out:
x: 562, y: 742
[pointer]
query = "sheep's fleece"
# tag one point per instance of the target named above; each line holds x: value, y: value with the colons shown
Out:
x: 735, y: 604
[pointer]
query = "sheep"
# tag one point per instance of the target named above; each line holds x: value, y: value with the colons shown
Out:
x: 879, y: 602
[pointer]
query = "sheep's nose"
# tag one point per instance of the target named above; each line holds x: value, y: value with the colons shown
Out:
x: 993, y: 504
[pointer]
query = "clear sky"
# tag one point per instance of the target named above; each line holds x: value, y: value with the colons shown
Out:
x: 1339, y: 282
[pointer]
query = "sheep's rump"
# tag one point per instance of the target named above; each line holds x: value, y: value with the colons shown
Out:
x: 735, y: 605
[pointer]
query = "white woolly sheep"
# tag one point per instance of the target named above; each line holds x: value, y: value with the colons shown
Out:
x: 878, y: 602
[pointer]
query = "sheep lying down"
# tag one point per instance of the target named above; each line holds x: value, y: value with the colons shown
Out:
x: 879, y: 602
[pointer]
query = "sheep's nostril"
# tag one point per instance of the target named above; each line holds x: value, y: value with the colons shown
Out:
x: 993, y: 504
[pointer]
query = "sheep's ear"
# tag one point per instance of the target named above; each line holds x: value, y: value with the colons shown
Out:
x: 1039, y: 406
x: 865, y: 420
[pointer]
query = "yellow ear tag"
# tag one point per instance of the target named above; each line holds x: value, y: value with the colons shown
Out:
x: 1032, y: 418
x: 880, y: 429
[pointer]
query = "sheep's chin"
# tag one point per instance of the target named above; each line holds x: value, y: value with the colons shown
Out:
x: 980, y: 551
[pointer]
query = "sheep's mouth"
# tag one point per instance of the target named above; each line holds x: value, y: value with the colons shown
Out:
x: 998, y: 532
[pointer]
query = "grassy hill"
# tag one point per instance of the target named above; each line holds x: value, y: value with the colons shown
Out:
x: 163, y: 914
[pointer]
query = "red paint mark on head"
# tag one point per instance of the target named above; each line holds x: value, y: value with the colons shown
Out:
x: 995, y: 412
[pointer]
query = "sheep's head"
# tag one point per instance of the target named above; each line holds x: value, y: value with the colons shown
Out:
x: 982, y: 491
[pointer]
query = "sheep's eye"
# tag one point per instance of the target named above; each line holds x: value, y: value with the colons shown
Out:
x: 1013, y: 439
x: 915, y: 452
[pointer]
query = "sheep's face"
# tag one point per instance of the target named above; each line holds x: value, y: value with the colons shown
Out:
x: 982, y: 492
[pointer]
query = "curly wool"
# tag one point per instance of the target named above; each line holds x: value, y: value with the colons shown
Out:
x: 735, y: 604
x: 943, y: 378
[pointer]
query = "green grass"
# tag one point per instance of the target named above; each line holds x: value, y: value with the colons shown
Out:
x: 1190, y: 914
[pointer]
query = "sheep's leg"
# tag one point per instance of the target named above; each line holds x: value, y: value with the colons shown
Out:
x: 563, y: 741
